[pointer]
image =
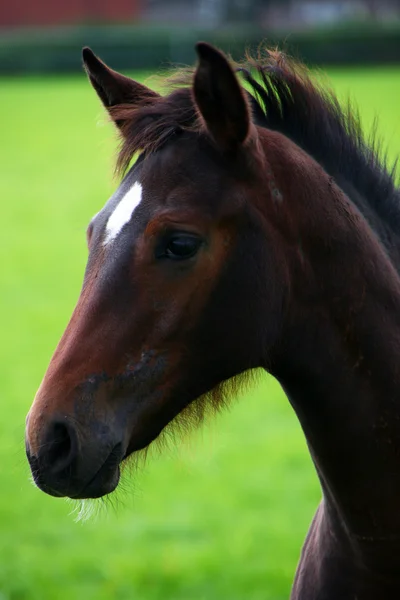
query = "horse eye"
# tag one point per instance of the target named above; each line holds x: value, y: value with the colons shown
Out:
x: 181, y: 246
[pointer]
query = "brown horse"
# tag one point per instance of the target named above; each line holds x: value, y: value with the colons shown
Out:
x: 256, y: 229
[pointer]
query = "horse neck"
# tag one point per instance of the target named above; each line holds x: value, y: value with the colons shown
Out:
x: 339, y: 355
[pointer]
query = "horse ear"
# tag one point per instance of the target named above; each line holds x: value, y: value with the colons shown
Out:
x: 220, y: 98
x: 114, y: 88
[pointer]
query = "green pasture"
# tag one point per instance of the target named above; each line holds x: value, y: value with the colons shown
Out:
x: 221, y: 514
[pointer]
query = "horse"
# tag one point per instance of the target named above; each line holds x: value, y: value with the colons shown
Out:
x: 254, y: 227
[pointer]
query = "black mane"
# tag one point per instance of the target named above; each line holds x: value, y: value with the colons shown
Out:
x: 284, y: 97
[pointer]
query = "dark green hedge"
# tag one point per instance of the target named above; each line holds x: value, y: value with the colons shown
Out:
x: 137, y: 47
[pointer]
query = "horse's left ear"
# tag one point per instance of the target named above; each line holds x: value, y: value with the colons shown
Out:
x: 114, y: 88
x: 220, y: 98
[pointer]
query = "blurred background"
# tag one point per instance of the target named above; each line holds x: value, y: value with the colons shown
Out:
x: 222, y: 513
x: 143, y: 34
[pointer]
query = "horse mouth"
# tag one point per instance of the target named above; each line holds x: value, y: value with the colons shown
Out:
x: 106, y: 478
x: 103, y: 482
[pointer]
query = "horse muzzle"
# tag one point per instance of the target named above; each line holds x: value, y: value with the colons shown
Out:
x: 68, y: 460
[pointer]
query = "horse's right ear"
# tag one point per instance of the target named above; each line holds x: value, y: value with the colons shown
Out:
x: 112, y: 87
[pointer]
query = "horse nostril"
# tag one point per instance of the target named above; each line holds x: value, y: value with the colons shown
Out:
x: 62, y: 447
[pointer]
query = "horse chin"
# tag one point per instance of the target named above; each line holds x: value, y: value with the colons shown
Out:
x: 101, y: 485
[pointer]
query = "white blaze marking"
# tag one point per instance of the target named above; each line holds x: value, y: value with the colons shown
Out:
x: 123, y: 212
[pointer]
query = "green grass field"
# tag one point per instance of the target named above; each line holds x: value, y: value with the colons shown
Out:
x: 223, y: 514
